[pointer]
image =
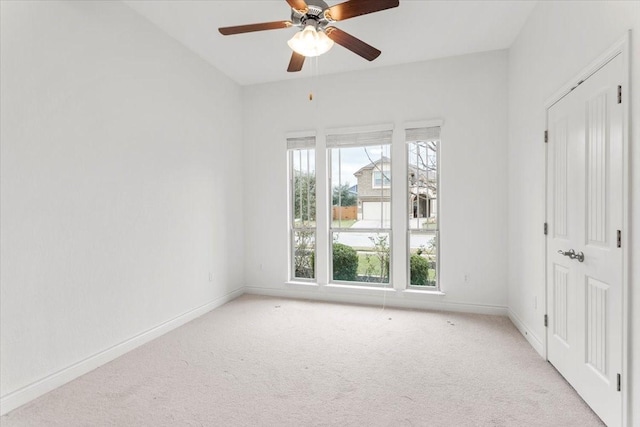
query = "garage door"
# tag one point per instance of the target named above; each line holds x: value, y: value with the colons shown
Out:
x: 374, y: 210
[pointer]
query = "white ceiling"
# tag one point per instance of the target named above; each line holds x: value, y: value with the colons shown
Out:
x: 417, y: 30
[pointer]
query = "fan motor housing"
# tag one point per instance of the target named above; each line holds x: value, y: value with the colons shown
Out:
x: 314, y: 15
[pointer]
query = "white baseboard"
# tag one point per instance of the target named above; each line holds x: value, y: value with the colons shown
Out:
x: 29, y: 392
x: 350, y: 296
x: 527, y: 333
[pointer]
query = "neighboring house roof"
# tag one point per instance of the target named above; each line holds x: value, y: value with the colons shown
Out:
x: 383, y: 159
x: 353, y: 189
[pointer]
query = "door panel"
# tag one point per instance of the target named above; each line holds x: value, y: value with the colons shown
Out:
x: 597, y: 170
x: 596, y: 324
x: 560, y: 178
x: 584, y: 205
x: 561, y: 312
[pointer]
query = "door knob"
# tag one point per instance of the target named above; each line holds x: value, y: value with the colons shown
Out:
x: 573, y: 255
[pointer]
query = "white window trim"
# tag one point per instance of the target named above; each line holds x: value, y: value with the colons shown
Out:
x: 399, y: 278
x: 349, y: 131
x: 433, y: 123
x: 292, y: 147
x: 359, y: 129
x: 416, y: 288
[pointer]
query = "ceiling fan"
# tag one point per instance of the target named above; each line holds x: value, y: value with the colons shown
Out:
x: 317, y: 35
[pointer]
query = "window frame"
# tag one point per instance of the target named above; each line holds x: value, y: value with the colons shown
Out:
x: 291, y: 151
x: 435, y: 232
x: 336, y: 230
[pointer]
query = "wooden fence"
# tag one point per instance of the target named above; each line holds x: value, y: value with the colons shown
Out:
x: 345, y: 212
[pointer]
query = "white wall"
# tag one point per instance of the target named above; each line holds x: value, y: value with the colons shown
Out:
x: 558, y: 41
x: 120, y: 187
x: 469, y: 93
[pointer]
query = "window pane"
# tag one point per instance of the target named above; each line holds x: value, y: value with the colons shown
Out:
x: 422, y: 261
x: 361, y: 205
x: 304, y: 247
x: 302, y: 209
x: 361, y: 187
x: 382, y: 179
x: 423, y: 207
x: 304, y: 188
x: 423, y: 185
x: 361, y: 257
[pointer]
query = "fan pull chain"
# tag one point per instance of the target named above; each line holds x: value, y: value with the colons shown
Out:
x: 314, y: 77
x: 312, y: 70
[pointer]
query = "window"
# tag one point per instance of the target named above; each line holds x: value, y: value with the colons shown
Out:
x: 423, y: 166
x: 302, y: 206
x: 360, y: 183
x: 381, y: 179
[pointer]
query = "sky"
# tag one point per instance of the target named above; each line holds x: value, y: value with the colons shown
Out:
x: 352, y: 159
x: 347, y: 161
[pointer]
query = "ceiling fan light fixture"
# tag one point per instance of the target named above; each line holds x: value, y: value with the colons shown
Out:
x: 318, y: 33
x: 310, y: 42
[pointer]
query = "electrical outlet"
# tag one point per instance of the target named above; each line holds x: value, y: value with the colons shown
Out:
x: 466, y: 277
x: 210, y: 276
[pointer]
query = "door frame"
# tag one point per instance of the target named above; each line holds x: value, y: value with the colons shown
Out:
x: 620, y: 47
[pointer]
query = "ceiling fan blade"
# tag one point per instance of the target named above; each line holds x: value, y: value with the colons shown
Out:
x: 352, y: 8
x: 298, y: 5
x: 239, y: 29
x: 296, y: 62
x: 352, y: 43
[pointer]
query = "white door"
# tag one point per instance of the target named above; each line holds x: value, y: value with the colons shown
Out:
x: 584, y: 214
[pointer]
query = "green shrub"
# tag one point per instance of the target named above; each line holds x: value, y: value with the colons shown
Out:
x: 303, y: 259
x: 419, y: 267
x: 345, y: 262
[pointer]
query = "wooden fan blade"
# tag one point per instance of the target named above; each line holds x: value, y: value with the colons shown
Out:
x: 239, y: 29
x: 354, y: 44
x: 296, y: 62
x: 298, y: 5
x: 352, y: 8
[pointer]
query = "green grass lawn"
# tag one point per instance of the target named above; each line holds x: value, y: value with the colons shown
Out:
x: 374, y: 265
x: 370, y: 266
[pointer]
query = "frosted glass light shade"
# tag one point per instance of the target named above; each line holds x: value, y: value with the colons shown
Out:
x: 310, y: 42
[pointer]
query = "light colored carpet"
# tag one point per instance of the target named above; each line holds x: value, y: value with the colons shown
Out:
x: 260, y: 361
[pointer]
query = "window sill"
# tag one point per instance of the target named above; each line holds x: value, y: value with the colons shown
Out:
x: 361, y: 287
x: 345, y: 286
x: 300, y: 283
x: 423, y: 292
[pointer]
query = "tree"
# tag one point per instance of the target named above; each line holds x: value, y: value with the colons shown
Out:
x: 423, y: 157
x: 343, y: 197
x: 383, y: 253
x: 304, y: 196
